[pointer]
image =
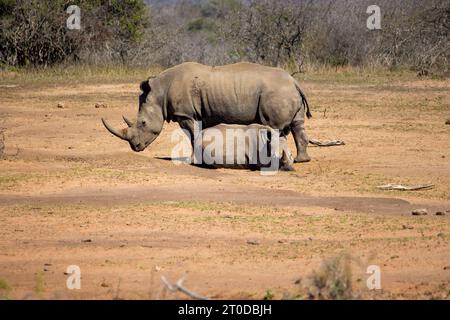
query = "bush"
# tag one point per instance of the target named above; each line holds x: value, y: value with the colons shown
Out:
x: 34, y: 32
x: 333, y: 280
x: 285, y: 33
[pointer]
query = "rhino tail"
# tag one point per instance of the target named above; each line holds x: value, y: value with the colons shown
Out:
x: 304, y: 101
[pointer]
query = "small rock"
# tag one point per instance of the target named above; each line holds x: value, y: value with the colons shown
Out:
x: 446, y: 268
x: 100, y: 105
x: 419, y: 212
x: 47, y: 264
x: 104, y: 285
x: 407, y: 227
x: 440, y: 213
x: 447, y: 122
x: 87, y: 240
x: 60, y: 105
x: 157, y: 268
x: 253, y: 242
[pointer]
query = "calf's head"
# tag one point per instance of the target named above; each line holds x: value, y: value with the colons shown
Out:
x: 149, y: 122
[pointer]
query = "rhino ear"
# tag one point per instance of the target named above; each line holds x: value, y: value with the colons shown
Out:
x: 145, y: 87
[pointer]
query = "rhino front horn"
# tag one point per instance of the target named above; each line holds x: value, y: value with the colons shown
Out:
x: 122, y: 134
x: 128, y: 122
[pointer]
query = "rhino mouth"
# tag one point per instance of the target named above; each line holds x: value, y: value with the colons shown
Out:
x: 138, y: 147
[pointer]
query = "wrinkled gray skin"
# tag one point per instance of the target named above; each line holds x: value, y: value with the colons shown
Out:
x: 247, y: 141
x: 241, y: 93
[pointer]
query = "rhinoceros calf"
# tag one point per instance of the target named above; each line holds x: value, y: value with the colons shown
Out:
x: 238, y: 146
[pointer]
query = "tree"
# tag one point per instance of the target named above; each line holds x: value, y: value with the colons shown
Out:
x: 34, y: 32
x: 268, y: 32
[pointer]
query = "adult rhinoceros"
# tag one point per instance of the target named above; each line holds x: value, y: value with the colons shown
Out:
x: 241, y: 93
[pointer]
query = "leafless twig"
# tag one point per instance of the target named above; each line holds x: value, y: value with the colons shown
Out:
x: 400, y: 187
x: 2, y: 144
x: 178, y: 286
x: 326, y: 143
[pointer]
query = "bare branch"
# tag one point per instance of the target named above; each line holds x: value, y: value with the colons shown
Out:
x: 178, y: 286
x: 326, y: 143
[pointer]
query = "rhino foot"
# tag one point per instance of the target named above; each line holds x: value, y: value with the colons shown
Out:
x: 302, y: 158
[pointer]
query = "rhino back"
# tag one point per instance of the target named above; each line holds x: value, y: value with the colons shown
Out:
x: 241, y: 93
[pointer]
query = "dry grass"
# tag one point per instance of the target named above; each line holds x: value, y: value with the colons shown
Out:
x: 76, y: 74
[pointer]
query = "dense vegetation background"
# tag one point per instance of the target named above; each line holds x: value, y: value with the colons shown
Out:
x: 290, y: 33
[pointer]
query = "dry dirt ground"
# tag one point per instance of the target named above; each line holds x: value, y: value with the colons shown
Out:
x: 71, y: 194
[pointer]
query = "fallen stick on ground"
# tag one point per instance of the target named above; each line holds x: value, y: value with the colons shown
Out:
x: 2, y: 141
x: 326, y: 143
x: 179, y: 287
x: 400, y: 187
x: 2, y: 145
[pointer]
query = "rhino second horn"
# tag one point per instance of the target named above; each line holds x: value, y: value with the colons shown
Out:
x: 122, y: 135
x: 128, y: 122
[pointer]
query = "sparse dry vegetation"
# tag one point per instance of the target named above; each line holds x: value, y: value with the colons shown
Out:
x: 287, y: 33
x: 5, y: 289
x: 333, y: 280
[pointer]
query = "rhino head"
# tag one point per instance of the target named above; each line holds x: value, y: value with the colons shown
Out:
x: 149, y: 122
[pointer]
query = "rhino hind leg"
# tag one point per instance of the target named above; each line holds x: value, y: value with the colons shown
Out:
x: 300, y: 138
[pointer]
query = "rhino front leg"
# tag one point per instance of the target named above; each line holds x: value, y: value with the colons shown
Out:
x: 189, y: 126
x: 300, y: 137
